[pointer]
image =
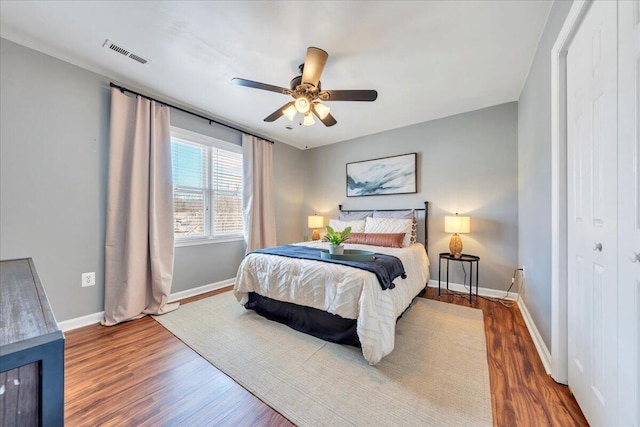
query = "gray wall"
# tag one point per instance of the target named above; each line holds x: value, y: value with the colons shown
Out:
x: 54, y: 123
x: 467, y: 163
x: 534, y: 176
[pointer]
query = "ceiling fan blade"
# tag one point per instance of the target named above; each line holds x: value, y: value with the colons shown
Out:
x: 258, y: 85
x: 328, y: 121
x: 279, y: 112
x: 349, y: 95
x: 313, y: 65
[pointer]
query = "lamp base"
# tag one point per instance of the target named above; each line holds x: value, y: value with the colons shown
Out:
x: 455, y: 245
x: 315, y: 235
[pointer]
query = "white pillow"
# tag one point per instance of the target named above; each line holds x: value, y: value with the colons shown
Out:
x: 352, y: 216
x: 407, y: 214
x: 339, y: 225
x: 390, y: 225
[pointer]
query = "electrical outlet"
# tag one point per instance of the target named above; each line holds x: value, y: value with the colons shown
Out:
x: 88, y: 279
x: 523, y: 275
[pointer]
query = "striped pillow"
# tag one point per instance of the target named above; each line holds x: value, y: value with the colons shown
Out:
x: 356, y: 226
x: 406, y: 214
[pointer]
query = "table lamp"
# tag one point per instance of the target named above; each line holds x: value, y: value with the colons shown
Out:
x: 315, y: 222
x: 456, y: 224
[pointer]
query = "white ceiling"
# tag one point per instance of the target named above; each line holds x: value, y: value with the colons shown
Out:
x: 426, y: 59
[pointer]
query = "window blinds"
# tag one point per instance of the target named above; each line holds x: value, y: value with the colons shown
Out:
x: 207, y: 183
x: 226, y: 185
x: 189, y: 164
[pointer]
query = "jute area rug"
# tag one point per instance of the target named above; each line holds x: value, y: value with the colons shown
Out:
x: 437, y: 375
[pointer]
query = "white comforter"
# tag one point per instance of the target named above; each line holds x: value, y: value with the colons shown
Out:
x: 348, y: 292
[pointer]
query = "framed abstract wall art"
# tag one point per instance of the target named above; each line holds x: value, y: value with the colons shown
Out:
x: 388, y: 175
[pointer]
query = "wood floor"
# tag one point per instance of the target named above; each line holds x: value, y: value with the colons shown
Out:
x: 139, y: 374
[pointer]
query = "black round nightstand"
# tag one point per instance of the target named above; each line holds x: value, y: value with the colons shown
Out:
x: 463, y: 258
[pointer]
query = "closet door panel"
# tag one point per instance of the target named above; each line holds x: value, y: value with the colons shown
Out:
x: 629, y: 209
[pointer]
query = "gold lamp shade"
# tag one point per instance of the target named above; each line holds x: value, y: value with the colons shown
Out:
x: 315, y: 222
x: 456, y: 224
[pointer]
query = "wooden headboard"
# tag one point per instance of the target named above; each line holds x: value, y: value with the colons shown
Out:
x: 426, y: 218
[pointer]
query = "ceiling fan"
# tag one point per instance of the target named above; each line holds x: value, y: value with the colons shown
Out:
x: 307, y: 92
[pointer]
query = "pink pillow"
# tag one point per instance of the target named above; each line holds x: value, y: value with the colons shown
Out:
x: 389, y: 240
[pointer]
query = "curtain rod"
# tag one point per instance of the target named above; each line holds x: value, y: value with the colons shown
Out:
x: 210, y: 120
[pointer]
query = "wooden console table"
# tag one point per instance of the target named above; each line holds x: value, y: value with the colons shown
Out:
x: 31, y: 350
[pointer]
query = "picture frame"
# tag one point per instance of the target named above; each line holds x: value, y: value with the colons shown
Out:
x: 382, y: 176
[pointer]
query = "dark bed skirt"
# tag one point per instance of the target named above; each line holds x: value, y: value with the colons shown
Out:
x: 320, y: 324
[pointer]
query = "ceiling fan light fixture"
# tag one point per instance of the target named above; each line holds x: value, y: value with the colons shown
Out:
x: 321, y: 110
x: 303, y: 105
x: 306, y: 91
x: 308, y: 120
x: 290, y: 112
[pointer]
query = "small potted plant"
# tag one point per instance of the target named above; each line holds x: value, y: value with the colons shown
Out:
x: 336, y: 238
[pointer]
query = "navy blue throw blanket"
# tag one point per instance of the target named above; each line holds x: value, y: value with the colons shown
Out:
x: 385, y: 267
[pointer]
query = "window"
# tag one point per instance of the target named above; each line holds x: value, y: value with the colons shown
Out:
x: 207, y: 187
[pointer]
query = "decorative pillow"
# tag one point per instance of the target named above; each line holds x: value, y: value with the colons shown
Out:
x: 390, y: 225
x: 351, y: 216
x: 414, y: 232
x: 408, y: 214
x: 356, y: 226
x: 389, y: 240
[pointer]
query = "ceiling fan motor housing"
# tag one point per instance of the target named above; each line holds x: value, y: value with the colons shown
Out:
x: 297, y: 81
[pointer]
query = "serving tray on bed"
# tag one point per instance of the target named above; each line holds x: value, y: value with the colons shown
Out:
x: 350, y: 255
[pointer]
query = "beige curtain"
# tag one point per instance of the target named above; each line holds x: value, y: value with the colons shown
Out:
x: 139, y: 235
x: 257, y: 193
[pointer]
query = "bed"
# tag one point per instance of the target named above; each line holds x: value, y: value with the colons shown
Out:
x: 336, y: 302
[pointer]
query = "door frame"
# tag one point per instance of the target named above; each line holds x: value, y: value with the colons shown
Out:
x: 559, y: 191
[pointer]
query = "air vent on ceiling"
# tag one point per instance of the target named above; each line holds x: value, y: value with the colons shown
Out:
x: 116, y: 48
x: 138, y: 58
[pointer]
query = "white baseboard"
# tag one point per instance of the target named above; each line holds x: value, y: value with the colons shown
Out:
x: 79, y: 322
x: 485, y: 292
x: 92, y: 319
x: 543, y: 351
x: 177, y: 296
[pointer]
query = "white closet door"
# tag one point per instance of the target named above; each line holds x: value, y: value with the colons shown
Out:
x: 629, y: 210
x: 592, y: 214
